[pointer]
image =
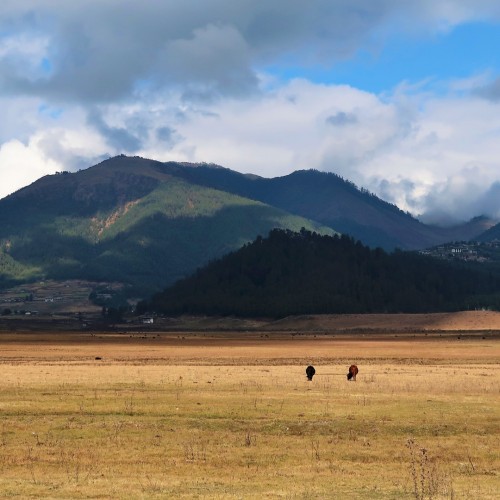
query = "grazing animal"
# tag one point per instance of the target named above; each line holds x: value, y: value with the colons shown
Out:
x: 353, y: 371
x: 310, y: 371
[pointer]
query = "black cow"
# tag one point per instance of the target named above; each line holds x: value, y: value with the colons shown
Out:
x: 353, y: 371
x: 310, y: 371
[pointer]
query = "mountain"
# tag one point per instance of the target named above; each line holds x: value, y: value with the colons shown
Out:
x: 147, y: 224
x: 127, y: 220
x: 470, y: 231
x: 337, y: 203
x: 304, y: 273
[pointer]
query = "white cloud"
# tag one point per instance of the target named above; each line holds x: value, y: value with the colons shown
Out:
x: 447, y: 161
x: 428, y: 155
x: 46, y: 152
x: 97, y: 51
x: 21, y: 165
x: 173, y: 81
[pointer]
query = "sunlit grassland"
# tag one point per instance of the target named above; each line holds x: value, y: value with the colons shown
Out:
x: 98, y: 428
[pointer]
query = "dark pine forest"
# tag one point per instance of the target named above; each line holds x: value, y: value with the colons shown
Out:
x: 291, y: 273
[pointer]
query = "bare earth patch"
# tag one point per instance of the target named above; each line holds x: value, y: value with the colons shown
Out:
x: 456, y: 321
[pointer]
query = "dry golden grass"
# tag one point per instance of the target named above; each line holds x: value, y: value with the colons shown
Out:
x: 232, y: 416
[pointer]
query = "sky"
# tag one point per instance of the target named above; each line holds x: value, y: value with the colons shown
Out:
x: 401, y: 97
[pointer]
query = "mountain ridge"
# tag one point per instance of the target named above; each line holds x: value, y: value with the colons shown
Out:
x: 370, y: 219
x: 148, y: 223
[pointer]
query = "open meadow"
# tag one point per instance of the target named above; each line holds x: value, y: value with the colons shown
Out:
x: 231, y: 415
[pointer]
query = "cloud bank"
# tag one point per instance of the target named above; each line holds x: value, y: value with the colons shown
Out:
x: 80, y: 81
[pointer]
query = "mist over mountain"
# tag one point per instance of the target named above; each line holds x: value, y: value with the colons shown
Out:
x: 492, y: 234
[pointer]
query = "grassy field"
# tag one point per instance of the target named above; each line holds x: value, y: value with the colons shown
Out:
x: 211, y: 415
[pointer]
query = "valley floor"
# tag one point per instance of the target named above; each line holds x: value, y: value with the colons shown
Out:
x: 221, y: 414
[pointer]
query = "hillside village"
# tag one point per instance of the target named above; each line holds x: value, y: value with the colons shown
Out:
x: 472, y: 251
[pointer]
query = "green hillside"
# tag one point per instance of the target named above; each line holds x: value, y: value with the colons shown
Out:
x: 126, y: 220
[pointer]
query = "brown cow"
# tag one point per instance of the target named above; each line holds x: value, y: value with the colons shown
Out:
x: 353, y: 371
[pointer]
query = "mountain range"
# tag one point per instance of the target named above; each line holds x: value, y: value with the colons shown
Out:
x: 147, y: 224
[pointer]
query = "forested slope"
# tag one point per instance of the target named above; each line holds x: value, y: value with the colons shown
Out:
x: 291, y: 273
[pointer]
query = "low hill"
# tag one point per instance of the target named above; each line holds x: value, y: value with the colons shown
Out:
x: 306, y: 273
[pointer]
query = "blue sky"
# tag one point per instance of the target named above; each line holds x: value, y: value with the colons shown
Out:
x: 464, y: 51
x: 400, y: 97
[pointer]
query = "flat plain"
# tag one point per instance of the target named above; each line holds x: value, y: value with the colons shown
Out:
x: 214, y: 413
